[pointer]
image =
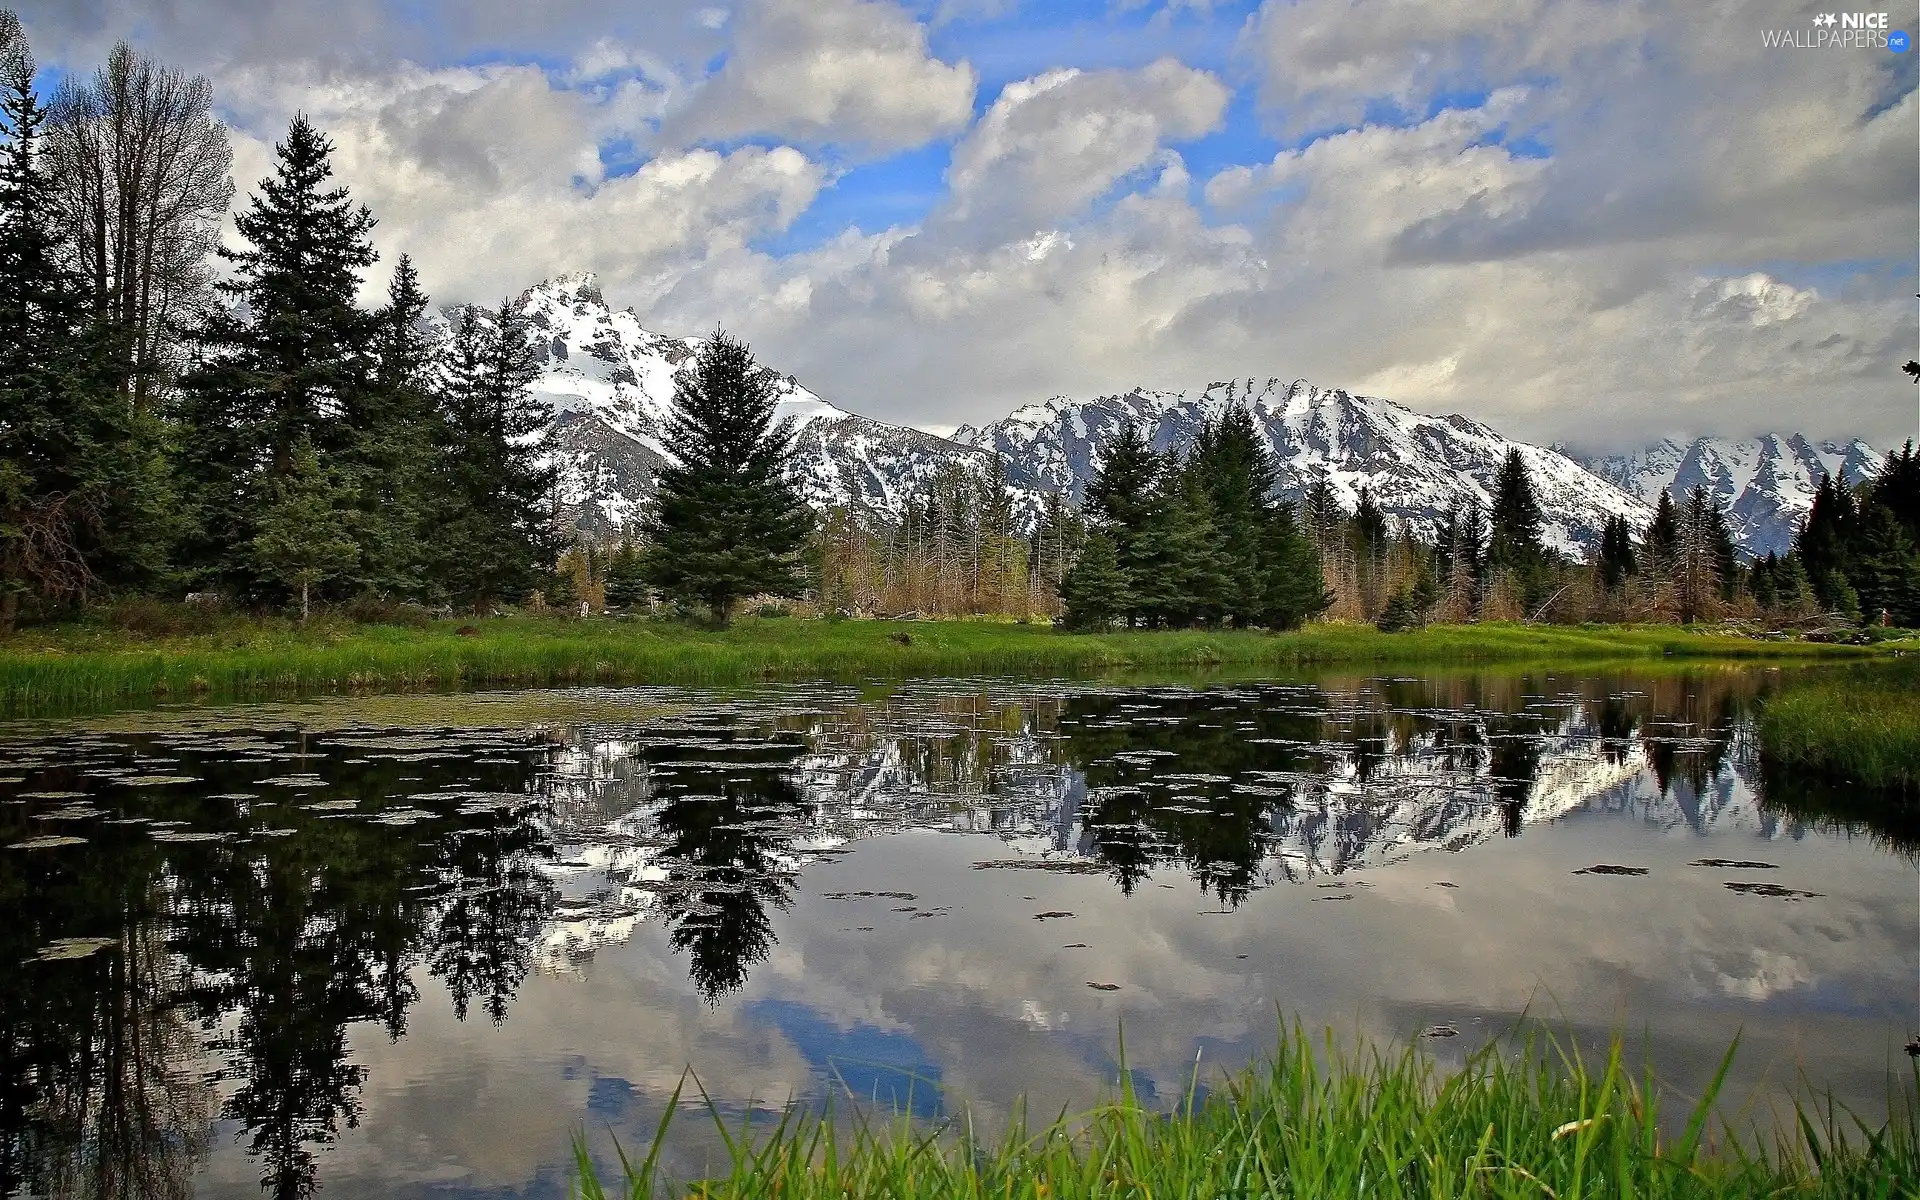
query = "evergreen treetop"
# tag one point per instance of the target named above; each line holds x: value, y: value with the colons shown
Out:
x: 727, y: 522
x: 1513, y: 540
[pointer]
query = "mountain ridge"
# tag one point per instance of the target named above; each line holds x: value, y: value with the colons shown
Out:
x: 609, y: 383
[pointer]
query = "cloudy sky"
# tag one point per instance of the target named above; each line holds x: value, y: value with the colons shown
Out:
x: 1598, y: 221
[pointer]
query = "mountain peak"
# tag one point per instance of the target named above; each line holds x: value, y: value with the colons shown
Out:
x: 572, y: 287
x: 1765, y: 482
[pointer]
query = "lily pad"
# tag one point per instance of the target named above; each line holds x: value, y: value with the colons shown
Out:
x: 64, y: 948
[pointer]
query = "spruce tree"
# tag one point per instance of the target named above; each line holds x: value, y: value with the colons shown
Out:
x: 727, y: 521
x: 392, y: 431
x: 1231, y: 463
x: 1293, y: 586
x: 1616, y: 561
x: 1095, y: 590
x: 1199, y: 562
x: 306, y: 529
x: 626, y: 578
x: 494, y: 524
x: 283, y: 367
x: 1886, y: 570
x: 1513, y: 542
x: 1125, y: 501
x: 1663, y: 537
x: 66, y: 453
x: 1824, y: 544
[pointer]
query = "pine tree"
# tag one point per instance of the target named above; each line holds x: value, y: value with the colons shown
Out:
x: 494, y: 526
x: 305, y: 531
x: 1697, y: 570
x: 626, y: 577
x: 1293, y: 584
x: 728, y: 522
x: 1896, y: 487
x: 282, y: 368
x: 1616, y: 562
x: 66, y: 454
x: 1199, y: 562
x: 1321, y: 514
x: 1513, y: 542
x: 1124, y: 500
x: 1824, y: 542
x: 1662, y: 537
x: 1886, y: 570
x: 1095, y: 590
x: 392, y: 431
x: 1230, y: 462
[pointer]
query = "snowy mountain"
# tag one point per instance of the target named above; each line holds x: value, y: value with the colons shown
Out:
x: 610, y: 384
x: 1767, y: 483
x: 1415, y: 465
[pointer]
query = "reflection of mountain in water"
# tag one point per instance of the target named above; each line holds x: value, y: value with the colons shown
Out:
x: 195, y: 899
x: 1241, y: 787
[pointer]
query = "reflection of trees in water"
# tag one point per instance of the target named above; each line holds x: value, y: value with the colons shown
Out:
x: 1136, y: 822
x: 100, y: 1095
x: 1888, y: 819
x: 728, y: 863
x: 726, y: 824
x: 279, y: 943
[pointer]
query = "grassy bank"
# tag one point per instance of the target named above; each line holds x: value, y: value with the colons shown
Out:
x: 86, y: 666
x: 90, y: 666
x: 1334, y: 1125
x: 1857, y: 726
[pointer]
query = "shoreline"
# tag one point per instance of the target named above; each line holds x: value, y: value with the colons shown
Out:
x: 64, y: 668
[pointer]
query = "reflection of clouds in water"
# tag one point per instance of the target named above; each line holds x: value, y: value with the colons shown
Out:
x: 677, y: 835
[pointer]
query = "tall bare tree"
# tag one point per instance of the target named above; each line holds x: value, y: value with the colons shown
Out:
x: 143, y: 172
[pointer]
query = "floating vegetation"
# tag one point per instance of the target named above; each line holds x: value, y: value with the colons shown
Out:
x: 61, y: 949
x: 1734, y: 864
x: 50, y: 842
x: 1610, y: 869
x: 1060, y: 866
x: 1773, y: 890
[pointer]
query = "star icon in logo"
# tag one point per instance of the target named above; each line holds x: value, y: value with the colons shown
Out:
x: 1826, y: 19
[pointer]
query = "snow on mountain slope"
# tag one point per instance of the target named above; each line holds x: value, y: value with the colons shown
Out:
x: 1415, y: 465
x: 610, y: 384
x: 1767, y: 483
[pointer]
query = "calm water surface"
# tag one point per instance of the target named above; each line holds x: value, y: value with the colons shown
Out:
x: 406, y: 947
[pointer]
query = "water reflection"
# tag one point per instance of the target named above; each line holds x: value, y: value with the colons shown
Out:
x: 208, y: 909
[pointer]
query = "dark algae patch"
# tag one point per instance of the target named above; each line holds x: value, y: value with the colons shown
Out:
x: 1772, y: 890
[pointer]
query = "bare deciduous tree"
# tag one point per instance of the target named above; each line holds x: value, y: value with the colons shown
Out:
x: 143, y: 171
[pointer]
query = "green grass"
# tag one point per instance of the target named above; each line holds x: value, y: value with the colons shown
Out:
x: 1316, y: 1121
x: 1857, y: 726
x: 92, y: 666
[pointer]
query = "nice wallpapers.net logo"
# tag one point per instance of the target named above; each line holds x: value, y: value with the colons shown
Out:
x: 1840, y: 31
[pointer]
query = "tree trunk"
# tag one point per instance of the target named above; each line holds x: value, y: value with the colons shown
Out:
x: 305, y: 609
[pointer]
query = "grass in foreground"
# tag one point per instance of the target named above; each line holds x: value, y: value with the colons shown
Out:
x: 1860, y: 727
x: 79, y: 666
x: 1343, y: 1124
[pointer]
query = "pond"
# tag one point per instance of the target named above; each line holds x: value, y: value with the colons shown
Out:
x: 408, y: 946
